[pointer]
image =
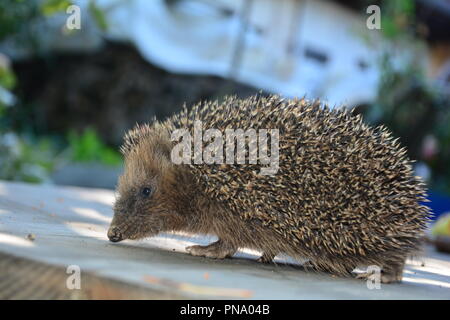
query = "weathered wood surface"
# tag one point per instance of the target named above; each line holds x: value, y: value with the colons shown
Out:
x: 44, y: 229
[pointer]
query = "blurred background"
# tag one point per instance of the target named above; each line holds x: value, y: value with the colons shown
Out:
x: 75, y: 75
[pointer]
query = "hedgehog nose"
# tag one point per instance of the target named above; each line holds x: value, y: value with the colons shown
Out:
x: 114, y: 235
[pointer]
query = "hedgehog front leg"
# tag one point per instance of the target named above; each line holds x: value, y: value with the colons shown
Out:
x: 266, y: 257
x: 216, y: 250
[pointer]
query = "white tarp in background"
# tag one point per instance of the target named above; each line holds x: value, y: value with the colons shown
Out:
x: 200, y: 37
x: 291, y: 47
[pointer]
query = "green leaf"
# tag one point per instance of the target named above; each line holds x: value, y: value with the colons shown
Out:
x: 89, y: 148
x: 406, y: 6
x: 98, y: 15
x: 50, y: 7
x: 7, y: 79
x: 389, y: 27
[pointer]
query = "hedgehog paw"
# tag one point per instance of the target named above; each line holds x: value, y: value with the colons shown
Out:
x: 391, y: 277
x: 388, y: 276
x: 266, y: 258
x: 216, y: 250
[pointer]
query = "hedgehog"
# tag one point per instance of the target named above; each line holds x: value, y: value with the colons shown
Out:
x: 343, y: 195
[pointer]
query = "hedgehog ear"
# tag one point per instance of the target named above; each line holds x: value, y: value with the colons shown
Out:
x: 165, y: 150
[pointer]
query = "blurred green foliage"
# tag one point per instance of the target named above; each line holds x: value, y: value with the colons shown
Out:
x: 17, y: 17
x: 98, y: 15
x: 32, y: 158
x: 25, y: 156
x: 398, y: 17
x: 88, y: 147
x: 413, y: 110
x: 50, y: 7
x: 7, y: 78
x: 14, y: 15
x: 408, y: 103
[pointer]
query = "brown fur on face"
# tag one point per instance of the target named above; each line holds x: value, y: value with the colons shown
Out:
x: 148, y: 193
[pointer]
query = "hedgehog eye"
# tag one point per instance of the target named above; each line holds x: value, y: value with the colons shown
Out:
x: 146, y: 192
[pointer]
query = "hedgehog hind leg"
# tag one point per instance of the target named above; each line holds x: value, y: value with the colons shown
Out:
x: 388, y: 274
x: 393, y: 274
x: 216, y: 250
x: 388, y: 271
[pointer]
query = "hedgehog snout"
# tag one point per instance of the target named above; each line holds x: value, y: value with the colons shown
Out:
x: 114, y: 234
